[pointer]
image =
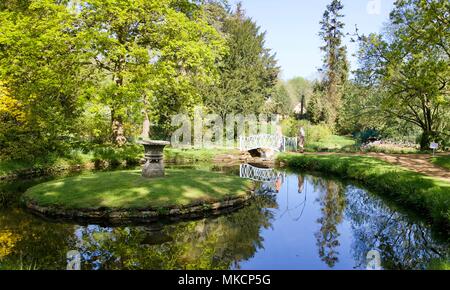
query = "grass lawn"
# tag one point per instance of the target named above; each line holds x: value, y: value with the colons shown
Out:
x: 333, y: 142
x: 442, y: 161
x: 127, y: 189
x: 429, y: 197
x: 194, y: 155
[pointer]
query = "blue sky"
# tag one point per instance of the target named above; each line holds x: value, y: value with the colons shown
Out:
x: 292, y: 28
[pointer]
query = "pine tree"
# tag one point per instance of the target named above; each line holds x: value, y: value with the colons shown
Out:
x: 335, y: 68
x: 248, y: 74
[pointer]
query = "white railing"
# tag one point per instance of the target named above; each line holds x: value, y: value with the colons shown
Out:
x: 267, y: 176
x: 267, y: 141
x: 257, y: 174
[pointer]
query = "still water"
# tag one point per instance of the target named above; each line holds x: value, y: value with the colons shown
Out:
x: 298, y: 221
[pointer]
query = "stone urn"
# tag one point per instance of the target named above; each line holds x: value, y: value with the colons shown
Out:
x: 154, y: 158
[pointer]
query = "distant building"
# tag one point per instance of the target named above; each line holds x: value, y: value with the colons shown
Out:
x: 298, y: 109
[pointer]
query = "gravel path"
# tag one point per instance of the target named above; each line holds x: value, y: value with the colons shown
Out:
x: 417, y: 162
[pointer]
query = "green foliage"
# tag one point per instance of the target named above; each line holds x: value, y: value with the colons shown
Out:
x: 281, y: 102
x: 149, y: 65
x: 192, y: 155
x: 298, y: 87
x: 439, y: 265
x: 314, y: 133
x: 104, y: 156
x: 316, y: 110
x: 93, y: 126
x: 429, y: 197
x: 408, y: 66
x: 357, y: 113
x: 40, y: 60
x: 335, y: 68
x: 317, y: 133
x: 248, y: 73
x: 76, y: 73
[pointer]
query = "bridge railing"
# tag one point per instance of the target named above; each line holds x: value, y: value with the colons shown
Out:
x: 270, y: 179
x: 258, y: 174
x: 269, y: 141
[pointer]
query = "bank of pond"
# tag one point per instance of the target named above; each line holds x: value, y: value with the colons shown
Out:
x: 426, y: 196
x: 295, y: 220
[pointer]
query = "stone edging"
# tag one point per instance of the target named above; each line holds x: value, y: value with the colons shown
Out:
x: 118, y: 216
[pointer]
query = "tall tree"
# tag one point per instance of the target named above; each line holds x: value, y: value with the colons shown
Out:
x: 150, y: 54
x: 41, y: 63
x: 409, y: 66
x: 248, y: 73
x: 332, y: 203
x: 335, y: 68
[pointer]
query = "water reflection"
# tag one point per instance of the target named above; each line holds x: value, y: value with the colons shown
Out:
x: 403, y: 245
x: 204, y: 244
x: 331, y: 200
x: 297, y: 221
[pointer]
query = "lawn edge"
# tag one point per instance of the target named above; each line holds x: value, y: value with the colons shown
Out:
x: 147, y: 215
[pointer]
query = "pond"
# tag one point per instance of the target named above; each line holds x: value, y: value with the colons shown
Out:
x: 297, y: 221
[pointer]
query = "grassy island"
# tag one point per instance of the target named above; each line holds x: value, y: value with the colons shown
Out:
x: 102, y: 194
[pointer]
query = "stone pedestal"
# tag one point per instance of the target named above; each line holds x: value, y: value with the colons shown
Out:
x: 154, y: 158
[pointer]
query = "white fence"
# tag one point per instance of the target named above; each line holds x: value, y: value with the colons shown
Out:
x: 267, y: 141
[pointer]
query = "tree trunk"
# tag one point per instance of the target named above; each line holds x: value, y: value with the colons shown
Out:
x: 302, y: 110
x: 146, y: 123
x: 118, y: 136
x: 145, y: 126
x: 426, y: 139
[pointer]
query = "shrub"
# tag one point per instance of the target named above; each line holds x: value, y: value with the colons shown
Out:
x: 114, y: 156
x: 364, y: 136
x: 317, y: 133
x: 314, y: 133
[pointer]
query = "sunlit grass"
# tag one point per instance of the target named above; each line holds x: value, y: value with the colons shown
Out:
x: 127, y: 189
x: 194, y: 155
x: 442, y: 161
x: 332, y: 142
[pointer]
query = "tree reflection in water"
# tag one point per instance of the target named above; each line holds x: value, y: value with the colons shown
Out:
x: 219, y: 243
x: 332, y: 202
x: 402, y: 244
x: 336, y: 231
x: 32, y: 243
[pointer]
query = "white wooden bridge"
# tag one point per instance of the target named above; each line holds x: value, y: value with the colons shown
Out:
x: 258, y: 174
x: 268, y: 176
x: 268, y: 141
